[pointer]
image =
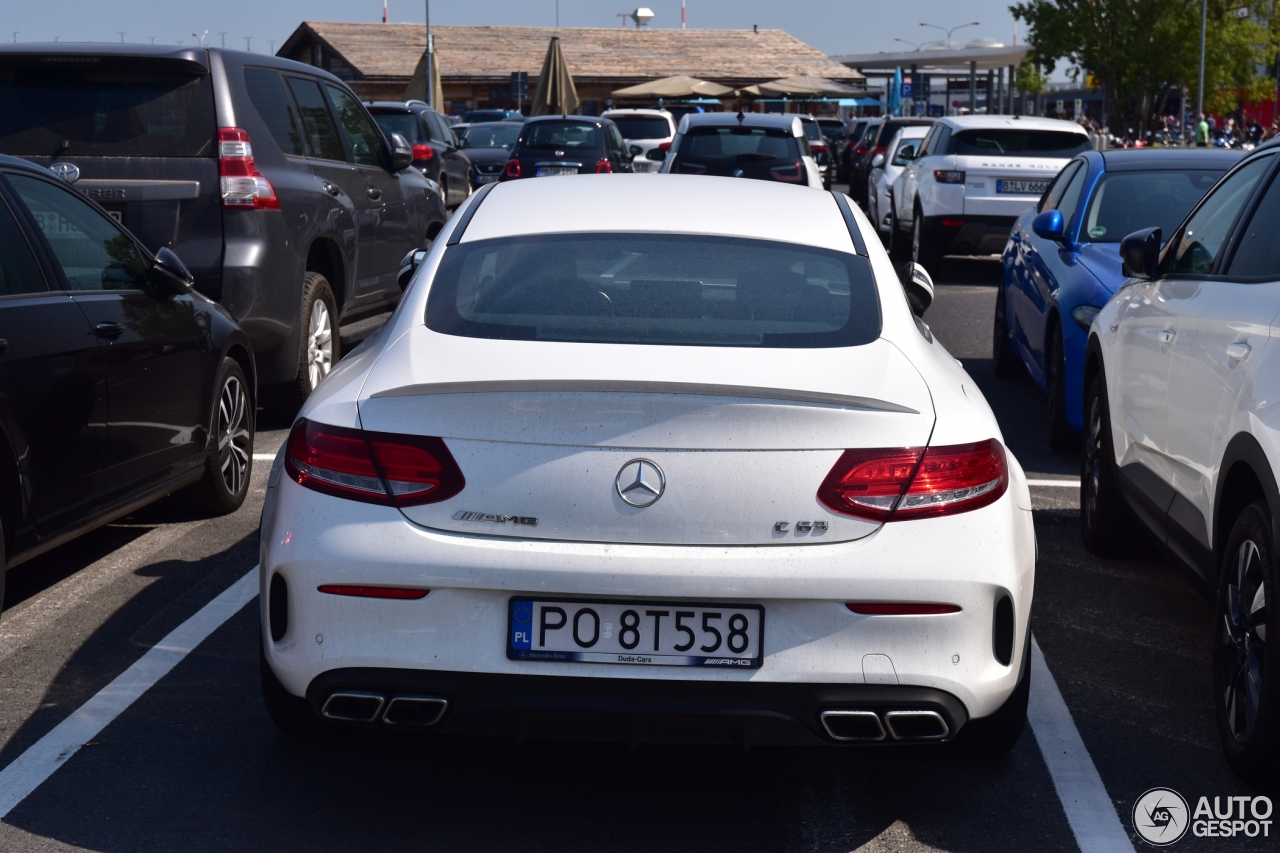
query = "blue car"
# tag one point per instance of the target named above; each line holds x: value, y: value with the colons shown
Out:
x: 1062, y: 261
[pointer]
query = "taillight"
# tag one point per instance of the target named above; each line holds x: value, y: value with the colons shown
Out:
x: 948, y: 176
x: 423, y: 152
x: 375, y: 467
x: 604, y: 167
x: 896, y: 484
x: 513, y: 168
x: 402, y: 593
x: 793, y: 173
x: 665, y: 146
x: 688, y: 168
x: 243, y: 186
x: 818, y: 148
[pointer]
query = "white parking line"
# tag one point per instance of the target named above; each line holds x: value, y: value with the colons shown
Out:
x: 1064, y: 484
x: 1089, y: 810
x: 268, y: 457
x: 29, y: 770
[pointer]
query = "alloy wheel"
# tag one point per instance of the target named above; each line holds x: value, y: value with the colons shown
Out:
x: 235, y: 442
x: 319, y: 343
x: 916, y: 227
x: 1244, y: 637
x: 1093, y: 458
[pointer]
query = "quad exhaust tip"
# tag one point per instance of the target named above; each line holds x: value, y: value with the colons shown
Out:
x: 356, y: 706
x: 352, y: 707
x: 866, y: 726
x: 415, y: 710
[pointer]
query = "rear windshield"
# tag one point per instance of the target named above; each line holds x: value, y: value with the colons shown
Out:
x: 668, y: 289
x: 405, y: 124
x: 643, y: 127
x: 105, y: 111
x: 561, y: 134
x: 812, y: 131
x: 750, y: 152
x: 489, y: 135
x: 1124, y: 202
x: 1021, y: 143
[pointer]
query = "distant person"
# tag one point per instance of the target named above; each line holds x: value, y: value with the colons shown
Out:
x: 1202, y: 132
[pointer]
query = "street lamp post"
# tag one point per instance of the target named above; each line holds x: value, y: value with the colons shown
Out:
x: 913, y: 44
x: 1204, y: 14
x: 952, y: 30
x: 431, y: 89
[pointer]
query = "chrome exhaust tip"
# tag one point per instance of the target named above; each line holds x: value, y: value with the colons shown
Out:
x: 916, y: 725
x: 352, y: 707
x: 415, y: 710
x: 852, y: 725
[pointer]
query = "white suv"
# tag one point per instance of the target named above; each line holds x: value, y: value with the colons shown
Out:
x: 1183, y: 431
x: 972, y: 178
x: 643, y: 131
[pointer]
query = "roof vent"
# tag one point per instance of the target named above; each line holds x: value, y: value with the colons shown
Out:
x: 642, y: 16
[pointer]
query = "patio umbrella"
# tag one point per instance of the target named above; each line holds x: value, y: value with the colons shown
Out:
x: 417, y: 88
x: 556, y: 94
x: 679, y: 86
x: 806, y: 85
x: 895, y: 93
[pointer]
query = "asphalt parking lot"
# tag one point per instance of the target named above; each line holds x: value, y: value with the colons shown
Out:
x: 195, y: 763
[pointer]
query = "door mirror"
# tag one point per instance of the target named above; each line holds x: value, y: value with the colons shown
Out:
x: 636, y: 151
x: 401, y: 153
x: 168, y: 274
x: 919, y: 287
x: 1140, y: 252
x: 907, y: 153
x: 656, y: 154
x: 877, y: 161
x: 1049, y: 225
x: 409, y: 266
x: 462, y: 142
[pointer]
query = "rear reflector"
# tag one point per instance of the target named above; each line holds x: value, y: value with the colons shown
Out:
x: 952, y: 223
x: 243, y: 187
x: 375, y: 467
x: 895, y: 484
x: 374, y: 591
x: 896, y: 608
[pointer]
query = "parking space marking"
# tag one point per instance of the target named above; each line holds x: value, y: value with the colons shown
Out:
x: 1064, y: 484
x: 264, y: 457
x: 1089, y: 810
x: 29, y: 770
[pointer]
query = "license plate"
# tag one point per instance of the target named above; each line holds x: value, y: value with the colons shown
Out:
x: 1022, y: 187
x: 652, y: 633
x: 486, y: 179
x: 546, y: 171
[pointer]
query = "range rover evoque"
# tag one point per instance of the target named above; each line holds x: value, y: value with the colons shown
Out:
x: 266, y: 176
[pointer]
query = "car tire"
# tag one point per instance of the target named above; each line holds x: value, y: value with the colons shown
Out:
x: 320, y: 348
x: 291, y: 714
x: 1106, y: 522
x: 1244, y: 616
x: 994, y: 736
x: 1005, y: 361
x: 899, y: 245
x: 1061, y: 436
x: 229, y: 452
x: 922, y: 251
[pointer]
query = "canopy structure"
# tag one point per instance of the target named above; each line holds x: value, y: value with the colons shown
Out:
x: 417, y: 88
x: 801, y: 86
x: 556, y: 94
x: 895, y: 93
x: 678, y: 86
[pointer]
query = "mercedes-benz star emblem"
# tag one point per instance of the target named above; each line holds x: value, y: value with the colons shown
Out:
x: 640, y: 483
x: 69, y: 172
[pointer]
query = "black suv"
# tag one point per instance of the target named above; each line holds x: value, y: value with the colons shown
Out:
x: 435, y: 148
x: 267, y: 176
x: 567, y: 145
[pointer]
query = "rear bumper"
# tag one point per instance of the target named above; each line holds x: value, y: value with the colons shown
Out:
x: 956, y: 234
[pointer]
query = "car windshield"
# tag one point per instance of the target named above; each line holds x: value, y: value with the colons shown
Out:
x: 405, y: 124
x: 561, y: 134
x: 748, y: 152
x: 671, y: 289
x: 105, y: 111
x: 490, y: 135
x: 1124, y: 202
x: 812, y: 131
x: 1021, y: 143
x: 643, y: 127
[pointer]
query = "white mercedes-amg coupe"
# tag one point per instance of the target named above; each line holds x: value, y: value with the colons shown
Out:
x: 653, y: 460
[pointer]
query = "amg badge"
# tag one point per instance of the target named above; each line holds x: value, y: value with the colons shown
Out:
x: 463, y: 515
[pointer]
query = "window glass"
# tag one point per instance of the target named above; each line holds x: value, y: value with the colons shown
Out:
x: 275, y: 108
x: 1200, y: 241
x: 1071, y: 196
x: 930, y: 140
x: 363, y: 138
x: 1259, y: 251
x: 1124, y: 202
x: 905, y: 151
x: 322, y: 134
x: 643, y: 126
x: 1058, y: 186
x: 491, y: 135
x: 1023, y: 143
x: 750, y: 152
x: 655, y: 289
x: 103, y: 109
x: 442, y: 127
x: 616, y: 139
x: 91, y: 249
x: 19, y: 272
x: 405, y: 124
x: 561, y: 134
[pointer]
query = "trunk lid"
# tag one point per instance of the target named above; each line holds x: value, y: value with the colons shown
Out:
x: 553, y: 439
x: 1005, y: 186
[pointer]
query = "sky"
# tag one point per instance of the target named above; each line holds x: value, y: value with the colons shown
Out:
x: 832, y: 26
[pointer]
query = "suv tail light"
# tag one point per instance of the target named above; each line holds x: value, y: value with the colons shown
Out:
x: 242, y: 185
x: 422, y: 151
x: 604, y: 167
x: 374, y: 467
x: 896, y: 484
x: 818, y: 148
x: 948, y: 176
x: 793, y: 173
x: 513, y: 168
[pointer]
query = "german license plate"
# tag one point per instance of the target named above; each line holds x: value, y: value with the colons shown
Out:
x: 486, y: 179
x: 1021, y: 187
x: 546, y: 171
x: 645, y: 633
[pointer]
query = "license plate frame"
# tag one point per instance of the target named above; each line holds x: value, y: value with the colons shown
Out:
x: 1011, y: 187
x: 554, y: 171
x: 721, y: 656
x: 486, y: 179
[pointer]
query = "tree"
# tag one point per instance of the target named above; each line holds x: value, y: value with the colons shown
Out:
x: 1137, y: 49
